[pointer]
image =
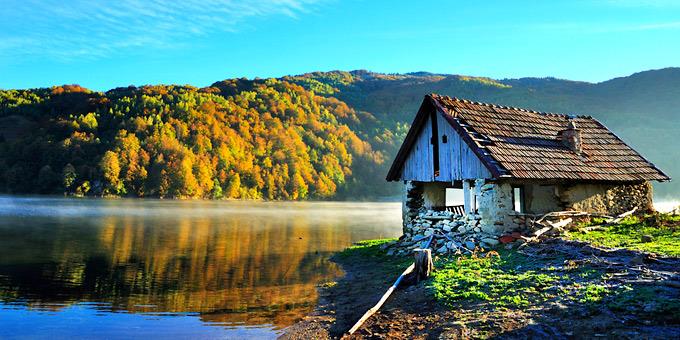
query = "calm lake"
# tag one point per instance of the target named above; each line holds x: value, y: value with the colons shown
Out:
x: 99, y: 268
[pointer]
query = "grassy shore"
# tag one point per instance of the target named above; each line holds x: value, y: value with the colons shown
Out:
x: 562, y: 287
x: 655, y: 233
x: 373, y: 250
x: 508, y: 278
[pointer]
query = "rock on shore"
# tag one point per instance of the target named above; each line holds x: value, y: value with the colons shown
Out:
x: 454, y: 233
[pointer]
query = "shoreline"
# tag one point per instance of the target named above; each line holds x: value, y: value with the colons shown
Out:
x: 414, y: 312
x: 661, y: 205
x: 367, y: 199
x: 343, y: 301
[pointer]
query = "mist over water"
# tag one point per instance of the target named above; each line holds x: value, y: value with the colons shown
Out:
x: 124, y: 268
x: 157, y: 268
x: 666, y: 205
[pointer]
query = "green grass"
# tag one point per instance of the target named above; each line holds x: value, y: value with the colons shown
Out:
x: 509, y: 279
x: 370, y: 248
x: 370, y: 251
x: 506, y: 279
x: 592, y: 293
x: 664, y: 229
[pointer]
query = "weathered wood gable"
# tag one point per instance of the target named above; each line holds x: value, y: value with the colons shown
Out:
x: 456, y: 160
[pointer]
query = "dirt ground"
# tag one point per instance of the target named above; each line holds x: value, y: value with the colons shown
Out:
x: 413, y: 313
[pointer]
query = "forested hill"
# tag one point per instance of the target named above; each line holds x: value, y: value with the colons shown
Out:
x: 643, y: 108
x: 265, y: 139
x: 313, y: 136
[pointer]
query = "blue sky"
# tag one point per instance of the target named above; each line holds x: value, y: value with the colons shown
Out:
x: 103, y: 44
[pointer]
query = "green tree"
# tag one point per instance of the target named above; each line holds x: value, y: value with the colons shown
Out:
x: 216, y: 192
x: 83, y: 188
x: 88, y: 121
x: 234, y: 187
x: 68, y: 175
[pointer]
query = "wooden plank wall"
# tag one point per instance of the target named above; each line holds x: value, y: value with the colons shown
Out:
x: 456, y: 160
x: 418, y: 165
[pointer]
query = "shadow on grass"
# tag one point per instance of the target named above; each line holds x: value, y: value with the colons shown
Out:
x: 369, y: 271
x: 554, y: 289
x: 566, y: 289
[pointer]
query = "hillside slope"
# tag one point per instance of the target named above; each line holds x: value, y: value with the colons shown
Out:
x: 643, y: 108
x: 265, y: 139
x: 313, y: 136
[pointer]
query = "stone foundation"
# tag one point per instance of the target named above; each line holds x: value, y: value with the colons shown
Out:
x: 411, y: 204
x: 480, y: 228
x: 495, y: 215
x: 457, y: 234
x: 495, y: 207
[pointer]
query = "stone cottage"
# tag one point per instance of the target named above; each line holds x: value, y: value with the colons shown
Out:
x: 508, y: 162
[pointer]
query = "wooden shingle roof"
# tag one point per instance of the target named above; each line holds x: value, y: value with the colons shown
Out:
x: 524, y: 144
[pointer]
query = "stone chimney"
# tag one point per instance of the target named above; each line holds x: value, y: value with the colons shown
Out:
x: 571, y: 137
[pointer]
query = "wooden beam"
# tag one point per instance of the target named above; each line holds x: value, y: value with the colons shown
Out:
x: 466, y: 196
x: 423, y: 263
x: 387, y: 294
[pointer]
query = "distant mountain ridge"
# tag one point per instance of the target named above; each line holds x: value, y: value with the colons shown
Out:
x: 643, y: 108
x: 364, y: 116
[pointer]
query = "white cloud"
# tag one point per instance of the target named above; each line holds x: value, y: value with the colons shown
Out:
x: 98, y: 28
x: 657, y: 26
x: 596, y: 28
x: 643, y: 3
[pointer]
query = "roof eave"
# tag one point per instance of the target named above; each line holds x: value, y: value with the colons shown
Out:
x: 484, y: 158
x: 394, y: 174
x: 667, y: 178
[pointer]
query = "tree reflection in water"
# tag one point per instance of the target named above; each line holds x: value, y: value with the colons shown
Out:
x: 233, y: 263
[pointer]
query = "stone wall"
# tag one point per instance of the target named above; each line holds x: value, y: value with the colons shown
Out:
x: 454, y: 233
x: 458, y: 233
x: 494, y: 216
x: 411, y: 203
x: 607, y: 199
x: 495, y: 205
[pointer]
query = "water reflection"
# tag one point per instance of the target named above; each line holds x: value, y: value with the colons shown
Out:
x: 231, y: 264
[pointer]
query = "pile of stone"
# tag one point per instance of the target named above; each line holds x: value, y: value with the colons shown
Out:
x: 453, y: 234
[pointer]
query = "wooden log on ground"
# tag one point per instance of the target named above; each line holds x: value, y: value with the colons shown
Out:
x: 534, y: 238
x: 594, y: 228
x: 673, y: 284
x: 620, y: 217
x: 387, y: 294
x: 541, y: 231
x: 628, y: 213
x: 423, y: 263
x: 377, y: 306
x: 560, y: 224
x: 571, y: 213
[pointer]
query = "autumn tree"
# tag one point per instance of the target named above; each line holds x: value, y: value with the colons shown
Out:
x: 110, y: 168
x: 259, y: 139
